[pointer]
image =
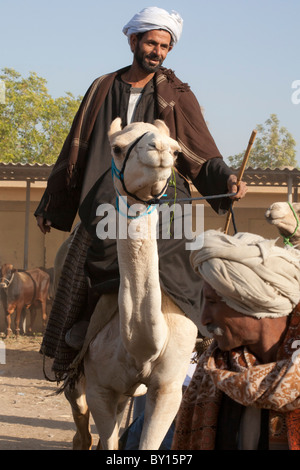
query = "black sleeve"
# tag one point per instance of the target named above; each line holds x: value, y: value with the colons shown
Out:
x: 212, y: 180
x: 60, y: 220
x: 40, y: 210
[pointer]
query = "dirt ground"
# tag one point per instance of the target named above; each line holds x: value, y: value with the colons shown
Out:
x: 31, y: 417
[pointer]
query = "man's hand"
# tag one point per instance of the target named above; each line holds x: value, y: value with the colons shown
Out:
x: 240, y: 189
x: 44, y: 225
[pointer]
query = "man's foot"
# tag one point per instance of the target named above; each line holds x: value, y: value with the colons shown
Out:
x: 76, y: 335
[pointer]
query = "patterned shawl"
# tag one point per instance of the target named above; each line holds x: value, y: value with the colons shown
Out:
x: 274, y: 386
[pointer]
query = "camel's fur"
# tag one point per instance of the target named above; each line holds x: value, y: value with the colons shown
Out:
x: 148, y: 344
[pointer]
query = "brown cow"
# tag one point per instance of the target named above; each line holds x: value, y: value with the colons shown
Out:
x: 24, y: 289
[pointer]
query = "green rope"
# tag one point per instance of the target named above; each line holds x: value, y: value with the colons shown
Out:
x: 172, y: 183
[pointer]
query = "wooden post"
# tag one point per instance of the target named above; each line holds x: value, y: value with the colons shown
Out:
x: 241, y: 173
x: 27, y: 214
x: 290, y: 188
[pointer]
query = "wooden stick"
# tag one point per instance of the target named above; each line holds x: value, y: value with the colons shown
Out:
x: 241, y: 173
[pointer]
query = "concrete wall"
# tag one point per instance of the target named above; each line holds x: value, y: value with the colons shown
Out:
x: 249, y: 216
x: 41, y: 248
x: 249, y: 213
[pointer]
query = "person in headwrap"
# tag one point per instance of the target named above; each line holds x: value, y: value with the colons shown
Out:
x: 81, y: 177
x: 245, y: 392
x: 155, y: 18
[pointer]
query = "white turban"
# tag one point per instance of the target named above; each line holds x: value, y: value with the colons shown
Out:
x: 251, y: 274
x: 155, y: 18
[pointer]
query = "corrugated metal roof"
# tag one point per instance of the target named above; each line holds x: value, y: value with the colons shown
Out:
x: 24, y: 172
x: 272, y: 177
x: 252, y: 176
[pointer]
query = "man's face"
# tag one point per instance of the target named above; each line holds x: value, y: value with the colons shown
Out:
x: 230, y: 328
x: 151, y: 50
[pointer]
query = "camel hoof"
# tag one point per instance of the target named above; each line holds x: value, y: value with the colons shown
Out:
x: 8, y: 332
x: 82, y: 443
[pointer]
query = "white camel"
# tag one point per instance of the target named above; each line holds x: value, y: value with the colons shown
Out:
x: 285, y: 217
x: 148, y: 343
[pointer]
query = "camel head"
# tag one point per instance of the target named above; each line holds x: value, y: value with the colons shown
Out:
x: 282, y: 216
x: 143, y: 155
x: 6, y: 274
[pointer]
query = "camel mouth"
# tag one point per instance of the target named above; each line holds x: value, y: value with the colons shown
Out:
x: 269, y: 218
x: 158, y: 165
x: 273, y: 220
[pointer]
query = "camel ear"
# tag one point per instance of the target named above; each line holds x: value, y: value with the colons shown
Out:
x: 116, y: 126
x: 162, y: 127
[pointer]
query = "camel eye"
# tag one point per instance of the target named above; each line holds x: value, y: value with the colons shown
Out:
x: 117, y: 150
x: 176, y: 153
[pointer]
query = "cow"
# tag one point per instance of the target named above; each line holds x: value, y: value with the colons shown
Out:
x: 24, y: 289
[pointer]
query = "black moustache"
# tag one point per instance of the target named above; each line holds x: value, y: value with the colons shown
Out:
x: 151, y: 57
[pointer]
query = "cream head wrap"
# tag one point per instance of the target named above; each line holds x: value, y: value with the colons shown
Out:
x: 251, y: 274
x: 155, y: 18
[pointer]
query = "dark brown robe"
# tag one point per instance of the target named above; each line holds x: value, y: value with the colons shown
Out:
x: 81, y: 179
x: 176, y: 105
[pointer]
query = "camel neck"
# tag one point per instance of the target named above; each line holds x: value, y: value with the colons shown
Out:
x: 140, y: 288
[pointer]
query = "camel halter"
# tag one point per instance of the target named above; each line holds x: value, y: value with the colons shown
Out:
x: 286, y: 240
x: 152, y: 203
x: 7, y: 282
x: 119, y: 174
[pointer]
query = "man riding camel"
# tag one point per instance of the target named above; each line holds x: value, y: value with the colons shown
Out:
x: 81, y: 178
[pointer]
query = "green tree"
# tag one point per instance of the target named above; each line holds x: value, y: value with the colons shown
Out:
x: 274, y: 147
x: 33, y: 125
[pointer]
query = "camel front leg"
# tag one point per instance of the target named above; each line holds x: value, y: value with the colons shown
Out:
x: 162, y: 405
x: 8, y: 325
x: 165, y: 388
x: 77, y: 399
x: 33, y: 313
x: 18, y: 319
x: 44, y: 313
x: 103, y: 404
